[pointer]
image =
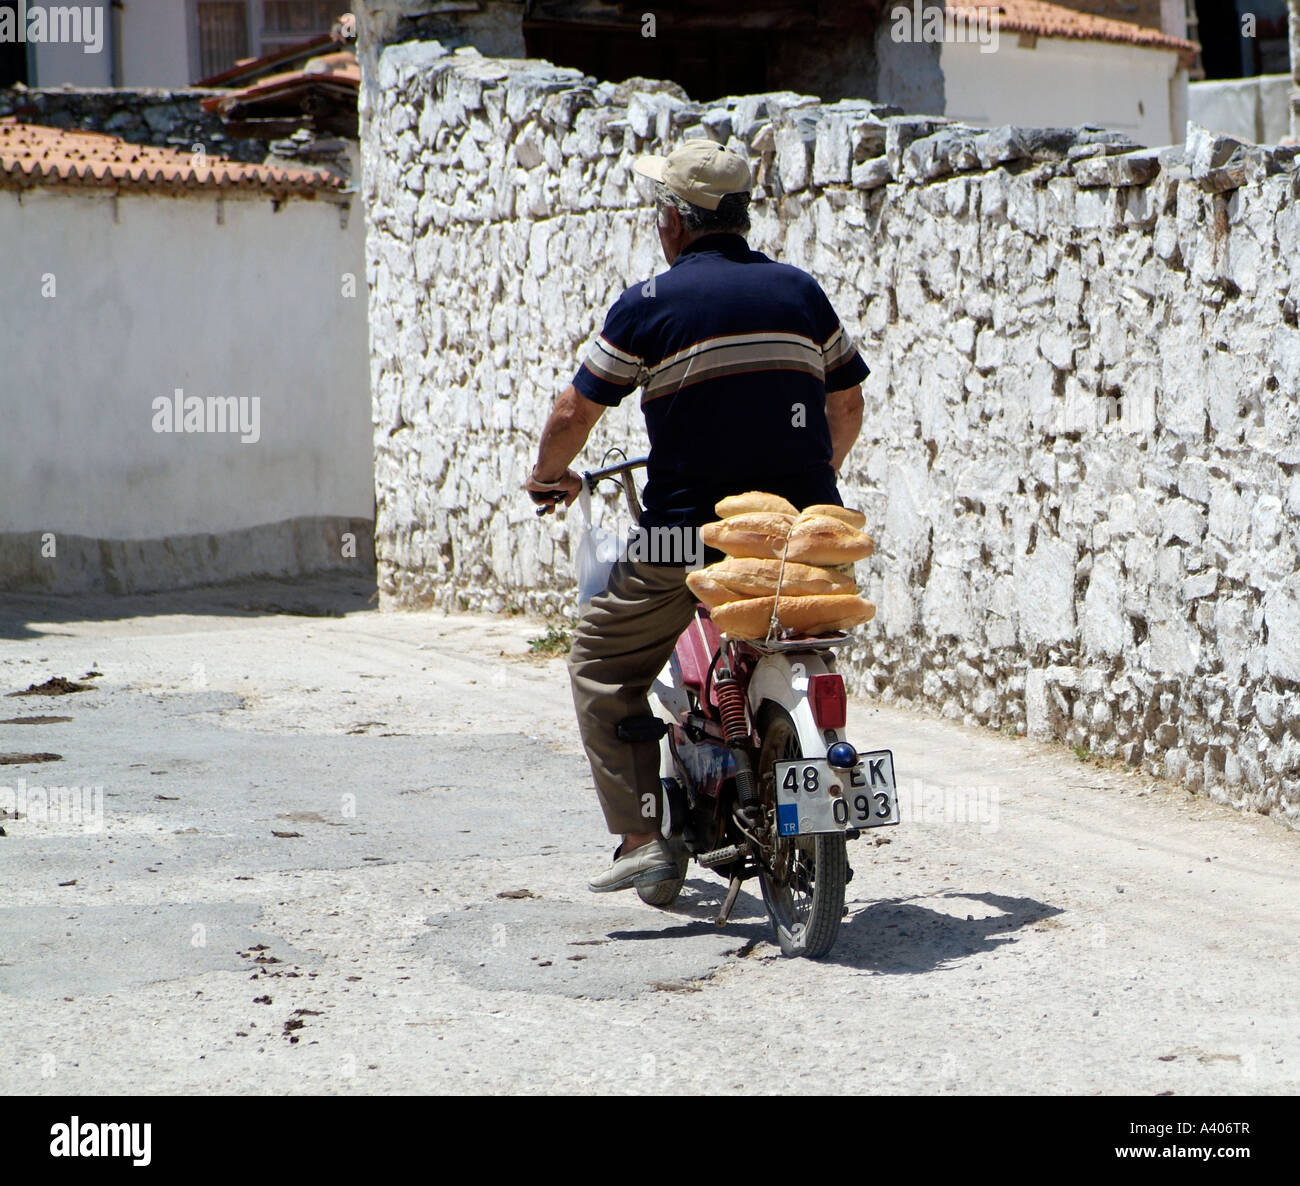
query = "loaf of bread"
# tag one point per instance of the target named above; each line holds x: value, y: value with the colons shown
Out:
x: 821, y: 614
x: 754, y: 500
x: 822, y: 540
x: 753, y: 577
x: 844, y: 514
x: 709, y: 590
x: 819, y: 546
x: 753, y: 533
x: 854, y: 615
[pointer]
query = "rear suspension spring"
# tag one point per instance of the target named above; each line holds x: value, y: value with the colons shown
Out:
x: 731, y: 707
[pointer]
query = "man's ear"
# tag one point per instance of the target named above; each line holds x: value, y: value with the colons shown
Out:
x: 672, y: 233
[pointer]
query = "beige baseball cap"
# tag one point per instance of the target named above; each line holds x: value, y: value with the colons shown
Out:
x: 701, y: 171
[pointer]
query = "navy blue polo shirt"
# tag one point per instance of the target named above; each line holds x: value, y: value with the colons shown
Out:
x: 735, y: 354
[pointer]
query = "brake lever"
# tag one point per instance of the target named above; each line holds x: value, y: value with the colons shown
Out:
x: 547, y: 500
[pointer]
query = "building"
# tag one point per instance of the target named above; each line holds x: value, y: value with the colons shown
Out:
x: 183, y: 361
x: 1059, y: 66
x: 149, y: 43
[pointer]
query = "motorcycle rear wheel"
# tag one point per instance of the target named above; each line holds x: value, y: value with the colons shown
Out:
x: 804, y: 894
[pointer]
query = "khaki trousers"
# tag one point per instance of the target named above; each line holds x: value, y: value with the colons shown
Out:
x: 621, y: 643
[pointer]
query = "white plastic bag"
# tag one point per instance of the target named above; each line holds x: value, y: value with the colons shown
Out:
x: 597, y: 552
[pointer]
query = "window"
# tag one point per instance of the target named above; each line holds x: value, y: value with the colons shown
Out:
x: 285, y: 22
x: 223, y: 35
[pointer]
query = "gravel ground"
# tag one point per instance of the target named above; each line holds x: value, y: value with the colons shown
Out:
x: 338, y: 851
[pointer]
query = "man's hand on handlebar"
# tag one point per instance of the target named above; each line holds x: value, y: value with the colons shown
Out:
x: 548, y: 495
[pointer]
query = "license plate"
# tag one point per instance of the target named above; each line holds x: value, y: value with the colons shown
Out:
x: 813, y: 796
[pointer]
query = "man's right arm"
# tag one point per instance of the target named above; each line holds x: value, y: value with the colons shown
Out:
x: 566, y: 431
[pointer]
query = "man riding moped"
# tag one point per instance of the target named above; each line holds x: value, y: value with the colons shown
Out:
x: 749, y: 382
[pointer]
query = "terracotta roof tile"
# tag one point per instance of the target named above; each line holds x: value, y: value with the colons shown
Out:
x: 31, y: 155
x: 1052, y: 20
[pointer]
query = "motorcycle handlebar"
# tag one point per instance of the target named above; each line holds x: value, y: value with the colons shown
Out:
x: 591, y: 477
x: 623, y: 472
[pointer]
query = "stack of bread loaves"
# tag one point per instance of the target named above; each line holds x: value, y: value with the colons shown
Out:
x: 819, y: 544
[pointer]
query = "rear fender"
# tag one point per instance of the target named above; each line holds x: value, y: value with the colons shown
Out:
x: 783, y: 679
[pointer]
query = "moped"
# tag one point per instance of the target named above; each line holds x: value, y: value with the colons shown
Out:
x: 759, y: 779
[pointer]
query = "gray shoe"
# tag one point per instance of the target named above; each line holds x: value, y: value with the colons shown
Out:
x: 647, y: 865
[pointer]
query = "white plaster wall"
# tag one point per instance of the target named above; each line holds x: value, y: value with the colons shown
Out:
x: 1248, y: 108
x: 1274, y: 108
x: 155, y: 49
x: 1173, y: 17
x: 1230, y: 107
x: 1178, y: 104
x: 152, y: 293
x: 57, y: 64
x: 155, y: 43
x: 1062, y: 82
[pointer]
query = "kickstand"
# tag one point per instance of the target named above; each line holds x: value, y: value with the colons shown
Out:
x: 729, y: 902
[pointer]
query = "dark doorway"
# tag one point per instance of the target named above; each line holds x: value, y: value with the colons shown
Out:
x: 713, y: 48
x: 708, y: 63
x: 13, y: 54
x: 1227, y: 51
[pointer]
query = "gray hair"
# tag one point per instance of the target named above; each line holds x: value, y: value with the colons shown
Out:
x: 732, y: 214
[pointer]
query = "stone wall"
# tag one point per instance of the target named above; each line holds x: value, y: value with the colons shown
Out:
x: 1080, y: 455
x: 163, y: 118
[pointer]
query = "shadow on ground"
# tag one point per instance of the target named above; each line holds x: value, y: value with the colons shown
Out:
x: 900, y: 936
x: 329, y: 595
x: 694, y: 913
x: 888, y: 937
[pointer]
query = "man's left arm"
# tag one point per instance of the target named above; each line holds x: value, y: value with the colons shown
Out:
x: 612, y: 370
x: 844, y: 416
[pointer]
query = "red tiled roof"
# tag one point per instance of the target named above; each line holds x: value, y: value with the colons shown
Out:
x: 336, y: 72
x: 31, y: 155
x: 1052, y: 20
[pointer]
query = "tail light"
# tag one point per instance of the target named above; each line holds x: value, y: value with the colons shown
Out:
x: 828, y: 699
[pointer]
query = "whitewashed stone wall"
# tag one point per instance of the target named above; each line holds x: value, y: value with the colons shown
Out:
x: 1080, y: 456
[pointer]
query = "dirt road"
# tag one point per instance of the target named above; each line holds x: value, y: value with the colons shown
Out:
x: 342, y: 851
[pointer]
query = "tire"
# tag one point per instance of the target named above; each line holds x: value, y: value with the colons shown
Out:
x: 805, y: 898
x: 664, y: 893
